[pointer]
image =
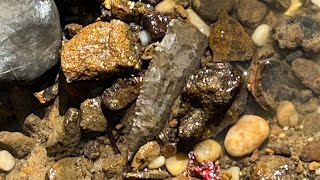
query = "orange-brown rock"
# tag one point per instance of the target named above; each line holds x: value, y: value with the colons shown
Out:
x: 229, y: 41
x: 98, y: 51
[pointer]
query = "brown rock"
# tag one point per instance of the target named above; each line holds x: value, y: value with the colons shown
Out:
x: 99, y: 50
x: 146, y: 153
x: 311, y: 123
x: 151, y: 174
x: 229, y: 41
x: 17, y: 143
x: 308, y: 72
x: 121, y: 10
x: 72, y: 29
x: 311, y: 152
x: 111, y: 166
x: 252, y: 18
x: 169, y: 150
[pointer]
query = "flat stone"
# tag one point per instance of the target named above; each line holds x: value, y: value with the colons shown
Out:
x: 30, y: 38
x: 311, y: 152
x: 98, y: 51
x: 229, y: 41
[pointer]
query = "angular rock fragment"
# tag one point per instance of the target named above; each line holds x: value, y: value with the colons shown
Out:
x: 229, y: 41
x: 308, y: 72
x: 30, y: 38
x: 92, y: 118
x: 156, y: 23
x: 151, y: 174
x: 122, y: 93
x: 17, y: 143
x: 178, y: 58
x: 99, y: 50
x: 112, y: 166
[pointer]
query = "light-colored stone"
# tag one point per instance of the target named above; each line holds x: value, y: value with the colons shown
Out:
x: 166, y: 6
x: 287, y: 114
x: 246, y: 135
x: 146, y: 153
x: 177, y: 164
x: 7, y: 161
x: 316, y: 2
x: 194, y: 19
x: 157, y: 162
x: 207, y: 150
x: 260, y: 35
x: 235, y: 172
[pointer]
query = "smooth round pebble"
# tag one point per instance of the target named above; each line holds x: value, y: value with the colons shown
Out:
x: 7, y: 161
x: 198, y: 22
x: 246, y: 135
x: 177, y: 163
x: 157, y: 162
x: 260, y: 35
x: 287, y: 115
x: 235, y: 171
x: 166, y: 6
x: 207, y: 150
x: 145, y: 37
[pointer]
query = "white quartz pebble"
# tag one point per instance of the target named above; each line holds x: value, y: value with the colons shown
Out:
x: 7, y: 161
x: 145, y: 37
x: 157, y: 162
x: 260, y: 35
x: 198, y: 22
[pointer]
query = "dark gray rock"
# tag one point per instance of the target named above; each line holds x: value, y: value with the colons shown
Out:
x: 176, y: 59
x: 30, y: 38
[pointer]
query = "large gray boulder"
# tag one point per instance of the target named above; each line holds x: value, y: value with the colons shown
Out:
x: 30, y: 38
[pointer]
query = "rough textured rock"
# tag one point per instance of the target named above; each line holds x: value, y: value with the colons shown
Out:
x: 278, y: 4
x: 111, y: 166
x: 308, y: 72
x: 99, y: 50
x: 252, y: 18
x: 71, y: 168
x: 156, y: 23
x: 178, y: 59
x: 94, y: 149
x: 273, y: 167
x: 299, y: 31
x: 92, y: 118
x: 209, y: 10
x: 311, y: 152
x: 122, y: 93
x: 151, y: 174
x: 17, y: 143
x: 146, y: 153
x: 30, y: 38
x: 229, y: 41
x: 35, y: 167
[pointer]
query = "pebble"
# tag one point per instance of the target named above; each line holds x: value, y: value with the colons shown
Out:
x: 177, y: 163
x: 157, y: 162
x: 258, y: 11
x: 287, y: 114
x: 207, y: 150
x: 246, y: 135
x: 260, y: 35
x: 198, y: 22
x: 316, y: 2
x: 145, y: 37
x: 235, y: 172
x: 7, y: 161
x: 314, y: 166
x: 317, y: 173
x: 311, y: 152
x: 146, y: 153
x: 166, y: 6
x: 294, y: 7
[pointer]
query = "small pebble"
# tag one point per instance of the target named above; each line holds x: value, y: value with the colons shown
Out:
x: 235, y: 172
x: 166, y: 6
x: 286, y: 128
x: 145, y: 37
x: 282, y: 135
x: 246, y: 135
x: 317, y: 173
x: 157, y: 163
x: 7, y: 161
x: 146, y: 153
x: 177, y: 164
x: 260, y: 36
x: 313, y: 166
x: 316, y: 2
x: 310, y: 139
x: 287, y: 114
x: 207, y: 150
x: 198, y: 22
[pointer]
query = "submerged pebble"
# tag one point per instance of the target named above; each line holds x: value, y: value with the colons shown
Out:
x: 7, y: 161
x: 146, y: 153
x: 157, y: 162
x: 177, y: 163
x: 287, y: 114
x: 198, y: 22
x: 207, y: 150
x: 260, y: 35
x: 145, y: 37
x: 246, y: 135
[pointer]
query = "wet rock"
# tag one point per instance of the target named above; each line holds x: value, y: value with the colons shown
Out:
x: 7, y: 161
x: 156, y: 23
x: 246, y: 135
x: 229, y: 41
x: 177, y: 164
x: 308, y: 72
x: 151, y: 174
x: 92, y: 118
x: 99, y: 50
x: 122, y: 93
x: 72, y: 29
x: 209, y: 10
x: 16, y: 143
x: 35, y: 167
x: 169, y: 150
x: 287, y: 114
x: 299, y: 31
x: 146, y: 153
x: 278, y: 4
x: 27, y: 51
x: 207, y: 150
x: 71, y: 168
x: 164, y: 80
x: 269, y: 167
x: 254, y: 17
x: 157, y: 162
x: 311, y: 123
x: 311, y: 152
x: 112, y: 166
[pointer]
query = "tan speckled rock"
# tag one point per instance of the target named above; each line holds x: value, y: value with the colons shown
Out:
x: 246, y: 135
x: 146, y: 153
x: 287, y: 114
x: 99, y: 50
